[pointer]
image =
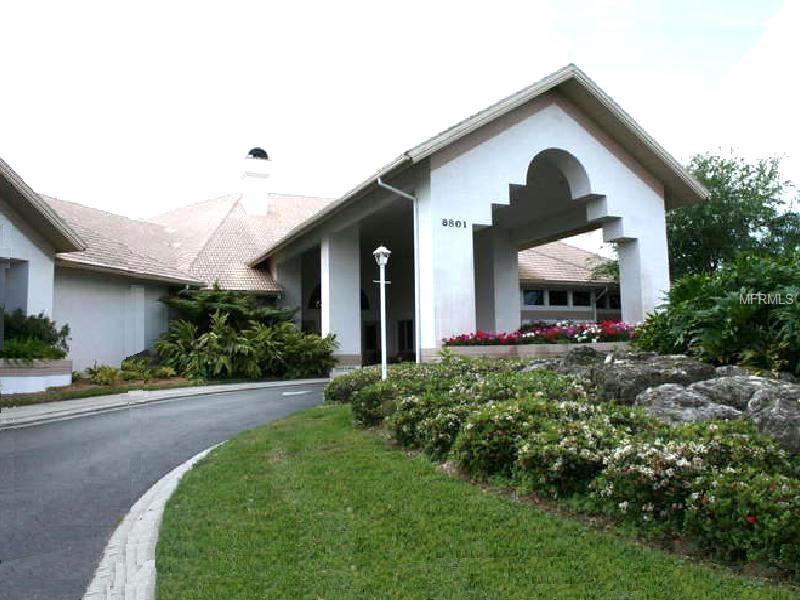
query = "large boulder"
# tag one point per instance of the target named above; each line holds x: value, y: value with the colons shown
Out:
x: 624, y: 378
x: 776, y: 411
x: 673, y: 403
x: 734, y: 391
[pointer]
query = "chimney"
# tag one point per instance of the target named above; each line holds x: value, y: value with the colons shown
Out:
x: 255, y: 181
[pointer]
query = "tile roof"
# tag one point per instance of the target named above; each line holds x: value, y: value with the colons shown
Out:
x: 559, y: 262
x: 215, y: 240
x: 116, y: 243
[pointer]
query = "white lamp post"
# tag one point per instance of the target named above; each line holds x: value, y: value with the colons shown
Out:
x: 381, y: 255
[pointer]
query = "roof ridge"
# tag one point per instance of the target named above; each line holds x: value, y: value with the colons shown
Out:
x: 237, y: 197
x: 101, y: 210
x: 212, y: 235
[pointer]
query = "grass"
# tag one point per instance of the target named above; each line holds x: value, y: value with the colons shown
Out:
x: 86, y: 390
x: 309, y: 507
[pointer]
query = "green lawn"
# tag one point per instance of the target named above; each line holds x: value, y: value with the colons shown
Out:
x: 309, y: 507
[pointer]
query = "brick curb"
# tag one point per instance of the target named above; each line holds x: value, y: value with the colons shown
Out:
x: 23, y: 416
x: 128, y: 566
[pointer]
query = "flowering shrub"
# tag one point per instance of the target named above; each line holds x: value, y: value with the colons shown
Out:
x: 372, y: 402
x: 564, y: 456
x: 487, y: 444
x: 342, y: 388
x: 748, y: 516
x: 653, y: 480
x: 559, y: 333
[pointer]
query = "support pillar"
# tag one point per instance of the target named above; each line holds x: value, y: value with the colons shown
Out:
x: 497, y: 291
x: 340, y: 275
x: 643, y: 276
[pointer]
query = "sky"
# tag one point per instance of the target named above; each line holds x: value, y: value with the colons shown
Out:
x: 140, y: 107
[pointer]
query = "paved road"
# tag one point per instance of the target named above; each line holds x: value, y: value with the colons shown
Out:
x: 64, y: 486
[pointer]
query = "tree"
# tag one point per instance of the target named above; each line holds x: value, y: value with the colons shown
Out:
x: 743, y: 214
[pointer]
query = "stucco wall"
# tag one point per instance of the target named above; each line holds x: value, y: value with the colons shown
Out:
x: 29, y: 284
x: 110, y: 317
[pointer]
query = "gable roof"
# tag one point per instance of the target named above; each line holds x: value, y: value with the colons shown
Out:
x: 558, y: 262
x: 679, y: 186
x: 34, y: 210
x: 117, y: 244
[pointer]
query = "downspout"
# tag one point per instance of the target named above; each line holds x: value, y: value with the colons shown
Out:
x: 417, y: 311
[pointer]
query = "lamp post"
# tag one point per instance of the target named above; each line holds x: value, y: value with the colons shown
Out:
x: 381, y: 255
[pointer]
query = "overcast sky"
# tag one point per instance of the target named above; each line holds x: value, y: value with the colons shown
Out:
x: 138, y: 107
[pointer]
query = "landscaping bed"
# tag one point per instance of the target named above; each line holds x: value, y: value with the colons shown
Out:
x: 652, y: 443
x: 309, y: 507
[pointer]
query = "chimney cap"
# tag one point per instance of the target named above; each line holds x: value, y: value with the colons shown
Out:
x: 258, y: 153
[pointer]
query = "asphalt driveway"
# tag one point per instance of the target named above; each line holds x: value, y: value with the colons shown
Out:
x: 64, y: 486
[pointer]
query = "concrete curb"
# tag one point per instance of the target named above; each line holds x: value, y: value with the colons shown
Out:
x: 127, y: 569
x: 37, y: 414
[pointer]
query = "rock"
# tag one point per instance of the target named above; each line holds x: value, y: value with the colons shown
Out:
x: 583, y: 356
x: 625, y: 378
x: 731, y: 371
x: 673, y: 404
x: 554, y: 364
x: 733, y: 391
x: 776, y: 411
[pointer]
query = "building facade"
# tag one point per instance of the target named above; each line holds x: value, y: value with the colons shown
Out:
x: 472, y: 217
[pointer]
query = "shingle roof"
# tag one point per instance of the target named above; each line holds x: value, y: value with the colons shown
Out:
x: 559, y: 262
x: 118, y: 244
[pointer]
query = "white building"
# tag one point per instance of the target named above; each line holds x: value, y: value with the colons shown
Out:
x: 470, y: 217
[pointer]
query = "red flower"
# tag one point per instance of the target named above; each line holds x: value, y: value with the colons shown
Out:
x: 751, y: 519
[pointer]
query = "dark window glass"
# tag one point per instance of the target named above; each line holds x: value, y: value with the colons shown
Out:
x: 364, y: 301
x: 581, y: 298
x: 405, y: 336
x: 315, y: 299
x: 614, y: 301
x: 558, y: 298
x: 533, y: 297
x: 370, y: 336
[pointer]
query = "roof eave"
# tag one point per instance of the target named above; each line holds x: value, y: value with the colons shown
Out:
x: 37, y: 212
x: 91, y: 266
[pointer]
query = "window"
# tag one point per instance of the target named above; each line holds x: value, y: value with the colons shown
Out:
x: 614, y: 301
x: 533, y: 297
x: 581, y: 298
x: 558, y: 298
x: 405, y: 336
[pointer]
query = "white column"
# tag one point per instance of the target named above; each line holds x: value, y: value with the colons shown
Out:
x: 341, y: 293
x: 497, y: 292
x: 288, y: 273
x: 644, y: 275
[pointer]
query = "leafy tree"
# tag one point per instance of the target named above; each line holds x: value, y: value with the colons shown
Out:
x: 743, y: 214
x: 198, y: 307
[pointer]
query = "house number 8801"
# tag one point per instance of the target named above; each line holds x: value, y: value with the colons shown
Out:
x: 454, y: 223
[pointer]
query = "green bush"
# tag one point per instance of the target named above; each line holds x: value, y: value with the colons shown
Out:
x: 748, y: 516
x: 19, y: 326
x: 164, y: 372
x: 103, y: 375
x: 650, y: 480
x: 136, y: 368
x: 342, y: 388
x: 714, y: 318
x: 372, y: 403
x: 563, y: 457
x: 29, y: 349
x: 257, y: 351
